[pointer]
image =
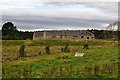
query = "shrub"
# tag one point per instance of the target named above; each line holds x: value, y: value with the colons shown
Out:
x: 21, y: 51
x: 66, y: 48
x: 85, y: 45
x: 47, y: 49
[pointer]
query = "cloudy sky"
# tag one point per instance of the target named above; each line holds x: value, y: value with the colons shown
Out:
x: 35, y: 15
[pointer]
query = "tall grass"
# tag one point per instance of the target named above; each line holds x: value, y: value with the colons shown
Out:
x: 91, y: 71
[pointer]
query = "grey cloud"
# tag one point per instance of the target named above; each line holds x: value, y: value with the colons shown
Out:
x: 109, y: 11
x: 40, y: 22
x: 107, y: 7
x: 47, y: 19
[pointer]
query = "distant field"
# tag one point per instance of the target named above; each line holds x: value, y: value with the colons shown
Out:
x: 100, y: 60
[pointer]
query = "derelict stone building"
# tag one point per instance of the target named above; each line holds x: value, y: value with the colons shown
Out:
x: 63, y: 34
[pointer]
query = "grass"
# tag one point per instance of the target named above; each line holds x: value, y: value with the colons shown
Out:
x: 60, y: 64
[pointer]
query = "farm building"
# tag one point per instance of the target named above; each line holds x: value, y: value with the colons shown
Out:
x: 63, y: 34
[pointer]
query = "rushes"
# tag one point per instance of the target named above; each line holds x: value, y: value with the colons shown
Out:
x: 90, y: 71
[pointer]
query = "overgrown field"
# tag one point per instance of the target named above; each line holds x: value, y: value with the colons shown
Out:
x: 99, y: 61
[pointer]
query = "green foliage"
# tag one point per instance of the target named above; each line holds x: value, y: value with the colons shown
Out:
x: 10, y: 32
x: 85, y: 45
x: 21, y: 51
x: 104, y: 34
x: 8, y: 29
x: 47, y: 49
x: 66, y: 48
x: 25, y: 35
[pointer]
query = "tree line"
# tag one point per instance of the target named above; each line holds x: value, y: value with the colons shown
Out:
x: 105, y: 34
x: 10, y: 32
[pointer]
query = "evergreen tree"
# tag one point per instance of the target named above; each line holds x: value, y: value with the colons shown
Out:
x: 9, y: 31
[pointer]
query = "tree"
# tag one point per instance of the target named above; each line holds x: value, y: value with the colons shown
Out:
x: 9, y: 30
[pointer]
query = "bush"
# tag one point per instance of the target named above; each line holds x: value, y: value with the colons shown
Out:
x: 21, y: 51
x: 47, y: 49
x: 85, y: 45
x: 66, y: 48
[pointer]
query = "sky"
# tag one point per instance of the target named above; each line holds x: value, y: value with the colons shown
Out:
x: 38, y: 15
